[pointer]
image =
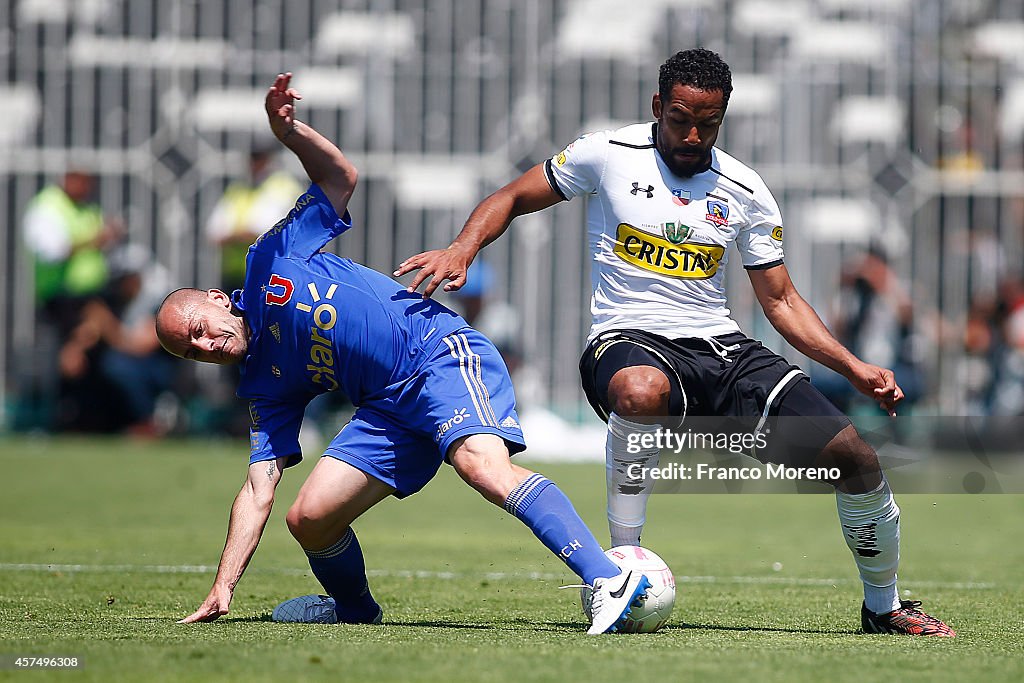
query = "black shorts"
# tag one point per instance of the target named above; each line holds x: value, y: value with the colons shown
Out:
x: 730, y: 376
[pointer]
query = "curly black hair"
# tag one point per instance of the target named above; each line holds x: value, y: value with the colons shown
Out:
x: 703, y: 69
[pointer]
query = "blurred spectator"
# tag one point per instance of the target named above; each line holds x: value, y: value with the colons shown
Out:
x: 248, y: 208
x: 875, y: 320
x: 977, y: 369
x: 112, y: 366
x: 67, y: 235
x: 994, y: 346
x: 963, y: 155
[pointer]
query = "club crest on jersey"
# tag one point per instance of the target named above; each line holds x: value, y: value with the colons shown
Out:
x: 676, y: 233
x: 680, y: 197
x: 777, y: 233
x: 278, y: 290
x: 718, y: 213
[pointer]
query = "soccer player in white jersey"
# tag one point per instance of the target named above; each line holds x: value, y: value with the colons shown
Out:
x: 665, y: 206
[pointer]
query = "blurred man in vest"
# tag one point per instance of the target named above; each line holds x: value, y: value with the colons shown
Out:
x: 247, y: 207
x: 66, y: 233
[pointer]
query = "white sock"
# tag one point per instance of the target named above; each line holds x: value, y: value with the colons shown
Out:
x: 871, y: 527
x: 627, y: 505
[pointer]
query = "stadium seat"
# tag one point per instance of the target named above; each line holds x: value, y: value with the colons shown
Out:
x: 89, y: 12
x: 839, y: 220
x: 616, y: 30
x: 162, y: 52
x: 230, y: 109
x: 23, y: 115
x: 864, y: 7
x: 865, y: 119
x: 1003, y: 40
x: 753, y: 95
x: 1011, y: 112
x: 842, y: 41
x: 365, y: 33
x: 435, y: 183
x: 771, y: 19
x: 329, y: 87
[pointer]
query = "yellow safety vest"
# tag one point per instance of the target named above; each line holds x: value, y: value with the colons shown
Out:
x: 240, y: 200
x: 85, y: 270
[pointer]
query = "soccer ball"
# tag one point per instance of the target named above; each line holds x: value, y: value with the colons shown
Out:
x: 659, y: 598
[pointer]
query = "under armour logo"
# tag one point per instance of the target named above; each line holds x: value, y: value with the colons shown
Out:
x: 636, y: 188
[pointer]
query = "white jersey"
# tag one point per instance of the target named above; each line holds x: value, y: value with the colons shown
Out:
x: 659, y: 241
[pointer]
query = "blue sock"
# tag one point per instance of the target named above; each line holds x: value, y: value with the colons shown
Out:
x: 551, y: 517
x: 341, y: 570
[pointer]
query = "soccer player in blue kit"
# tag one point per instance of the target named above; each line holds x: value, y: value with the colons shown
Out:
x: 428, y: 388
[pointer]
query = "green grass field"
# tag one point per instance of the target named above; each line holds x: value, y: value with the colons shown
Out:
x: 132, y: 531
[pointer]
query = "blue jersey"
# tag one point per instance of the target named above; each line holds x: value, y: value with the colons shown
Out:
x: 318, y: 322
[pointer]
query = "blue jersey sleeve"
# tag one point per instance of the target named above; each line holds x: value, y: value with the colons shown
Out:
x: 275, y: 431
x: 310, y: 225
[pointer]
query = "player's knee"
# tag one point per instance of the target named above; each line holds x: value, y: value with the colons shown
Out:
x: 856, y: 460
x: 639, y: 390
x: 476, y: 467
x: 305, y: 525
x: 296, y: 521
x: 484, y: 464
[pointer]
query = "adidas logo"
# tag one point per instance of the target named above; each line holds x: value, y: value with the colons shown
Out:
x: 275, y: 330
x: 510, y: 423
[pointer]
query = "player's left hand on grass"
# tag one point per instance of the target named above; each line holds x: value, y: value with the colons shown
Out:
x: 879, y: 384
x: 215, y: 606
x: 280, y: 105
x: 438, y: 265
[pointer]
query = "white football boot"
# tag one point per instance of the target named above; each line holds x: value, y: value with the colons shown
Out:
x: 613, y: 598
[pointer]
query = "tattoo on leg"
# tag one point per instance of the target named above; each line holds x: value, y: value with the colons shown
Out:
x: 270, y: 471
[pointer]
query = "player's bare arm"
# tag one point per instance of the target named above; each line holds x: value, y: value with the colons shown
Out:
x: 323, y: 161
x: 249, y: 515
x: 796, y: 321
x: 489, y: 220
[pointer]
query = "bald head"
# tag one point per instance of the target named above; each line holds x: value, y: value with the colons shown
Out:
x: 201, y: 325
x: 175, y: 305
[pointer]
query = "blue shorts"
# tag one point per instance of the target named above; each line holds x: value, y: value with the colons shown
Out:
x: 402, y: 439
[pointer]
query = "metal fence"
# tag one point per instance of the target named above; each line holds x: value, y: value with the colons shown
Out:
x: 856, y: 113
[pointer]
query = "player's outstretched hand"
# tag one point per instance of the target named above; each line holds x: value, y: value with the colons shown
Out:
x: 280, y: 104
x: 879, y: 384
x: 438, y: 265
x: 215, y: 606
